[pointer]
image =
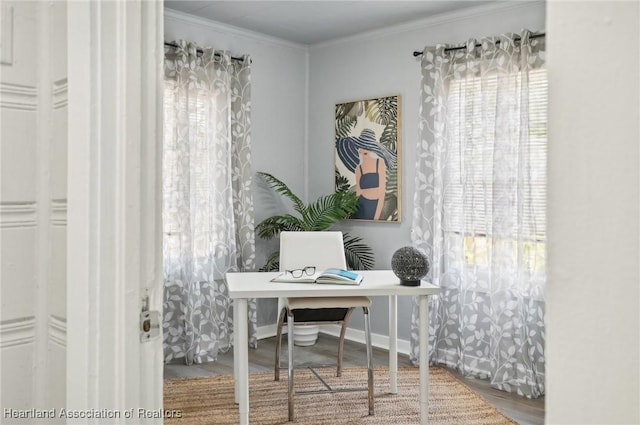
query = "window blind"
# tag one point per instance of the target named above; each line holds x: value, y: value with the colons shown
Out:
x: 472, y: 187
x: 197, y: 108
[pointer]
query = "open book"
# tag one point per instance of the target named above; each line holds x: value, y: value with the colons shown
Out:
x: 338, y: 276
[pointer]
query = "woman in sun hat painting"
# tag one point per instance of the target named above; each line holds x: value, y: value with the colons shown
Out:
x: 368, y: 160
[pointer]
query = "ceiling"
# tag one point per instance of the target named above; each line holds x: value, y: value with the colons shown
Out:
x: 311, y: 22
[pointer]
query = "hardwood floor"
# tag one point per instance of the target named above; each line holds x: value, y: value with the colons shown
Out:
x: 520, y: 409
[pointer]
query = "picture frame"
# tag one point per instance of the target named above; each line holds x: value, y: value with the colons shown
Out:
x: 368, y: 156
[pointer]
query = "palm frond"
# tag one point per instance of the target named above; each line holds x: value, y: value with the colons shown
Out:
x: 342, y: 109
x: 359, y: 255
x: 272, y: 226
x: 389, y: 137
x: 382, y: 110
x: 392, y: 180
x: 281, y: 188
x: 371, y: 110
x: 344, y: 125
x: 272, y: 264
x: 342, y: 183
x: 347, y: 117
x: 388, y: 110
x: 326, y: 210
x: 390, y: 208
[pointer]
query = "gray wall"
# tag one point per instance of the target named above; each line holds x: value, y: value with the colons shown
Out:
x: 379, y: 64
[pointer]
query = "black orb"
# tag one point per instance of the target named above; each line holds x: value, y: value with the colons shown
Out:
x: 410, y: 265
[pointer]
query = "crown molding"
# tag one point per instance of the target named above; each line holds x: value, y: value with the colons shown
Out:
x: 209, y: 24
x: 439, y: 19
x: 432, y: 21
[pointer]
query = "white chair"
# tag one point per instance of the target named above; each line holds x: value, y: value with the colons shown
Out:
x: 321, y: 250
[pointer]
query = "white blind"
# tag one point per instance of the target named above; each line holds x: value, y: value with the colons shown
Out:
x: 188, y: 170
x: 475, y: 191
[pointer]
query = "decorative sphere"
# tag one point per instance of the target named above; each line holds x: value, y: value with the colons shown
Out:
x: 410, y: 265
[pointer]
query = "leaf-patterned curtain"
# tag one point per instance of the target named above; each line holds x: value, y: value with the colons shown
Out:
x: 480, y: 208
x: 207, y: 203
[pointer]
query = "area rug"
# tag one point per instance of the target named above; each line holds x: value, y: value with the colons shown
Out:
x: 210, y: 400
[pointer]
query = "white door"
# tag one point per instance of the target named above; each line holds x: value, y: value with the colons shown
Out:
x: 114, y: 266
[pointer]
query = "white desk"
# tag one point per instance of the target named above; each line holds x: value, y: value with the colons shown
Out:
x: 243, y: 286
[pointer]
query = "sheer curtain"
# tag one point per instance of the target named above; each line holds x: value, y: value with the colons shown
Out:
x: 480, y: 208
x: 207, y: 202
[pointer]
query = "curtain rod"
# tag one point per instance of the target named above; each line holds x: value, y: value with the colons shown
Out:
x: 200, y: 52
x: 450, y: 49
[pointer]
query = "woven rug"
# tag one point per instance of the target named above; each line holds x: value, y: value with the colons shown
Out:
x: 210, y: 400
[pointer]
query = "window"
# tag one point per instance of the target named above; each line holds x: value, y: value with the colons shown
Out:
x: 188, y: 172
x: 475, y: 195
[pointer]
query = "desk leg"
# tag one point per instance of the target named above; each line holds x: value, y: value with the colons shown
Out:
x: 393, y: 343
x: 291, y: 390
x: 236, y: 344
x: 243, y: 360
x: 424, y: 359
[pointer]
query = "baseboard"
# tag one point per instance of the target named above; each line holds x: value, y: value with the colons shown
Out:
x: 355, y: 335
x: 267, y: 331
x: 377, y: 340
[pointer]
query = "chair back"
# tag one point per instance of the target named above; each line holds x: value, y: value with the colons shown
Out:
x: 320, y: 249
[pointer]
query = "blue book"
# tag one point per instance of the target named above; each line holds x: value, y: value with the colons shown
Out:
x: 343, y: 277
x: 335, y: 276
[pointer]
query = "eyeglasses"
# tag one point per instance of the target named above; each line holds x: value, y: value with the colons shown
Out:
x: 308, y: 270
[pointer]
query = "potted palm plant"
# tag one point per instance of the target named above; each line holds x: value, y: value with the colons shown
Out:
x: 315, y: 216
x: 319, y: 215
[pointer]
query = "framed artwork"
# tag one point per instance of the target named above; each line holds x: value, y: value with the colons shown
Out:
x: 367, y: 156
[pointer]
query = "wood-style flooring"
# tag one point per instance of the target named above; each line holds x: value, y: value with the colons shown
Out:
x: 520, y: 409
